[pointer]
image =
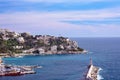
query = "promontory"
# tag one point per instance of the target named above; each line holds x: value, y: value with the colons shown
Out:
x: 13, y: 43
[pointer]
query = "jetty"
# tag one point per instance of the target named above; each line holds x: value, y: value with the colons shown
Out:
x: 92, y: 72
x: 13, y: 70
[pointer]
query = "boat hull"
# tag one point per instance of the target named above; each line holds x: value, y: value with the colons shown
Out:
x: 11, y: 74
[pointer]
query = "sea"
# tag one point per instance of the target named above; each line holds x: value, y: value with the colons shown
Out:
x: 105, y: 53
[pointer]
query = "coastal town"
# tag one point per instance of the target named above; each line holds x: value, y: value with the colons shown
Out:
x: 13, y: 43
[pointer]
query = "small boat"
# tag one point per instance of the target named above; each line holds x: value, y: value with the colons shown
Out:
x: 92, y: 72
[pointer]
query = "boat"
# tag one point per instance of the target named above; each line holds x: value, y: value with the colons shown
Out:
x: 8, y: 70
x: 12, y: 73
x: 92, y: 72
x: 12, y: 70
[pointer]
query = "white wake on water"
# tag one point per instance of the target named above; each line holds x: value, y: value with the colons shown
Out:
x: 90, y: 52
x: 99, y: 77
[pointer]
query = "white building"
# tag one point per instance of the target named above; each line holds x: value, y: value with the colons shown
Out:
x: 54, y: 48
x: 61, y: 46
x: 20, y: 40
x: 16, y: 34
x: 17, y: 47
x: 41, y: 51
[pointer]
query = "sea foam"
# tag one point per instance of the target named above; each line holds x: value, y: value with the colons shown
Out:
x: 99, y: 77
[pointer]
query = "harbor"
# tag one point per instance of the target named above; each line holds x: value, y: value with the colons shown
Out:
x: 15, y: 70
x: 92, y: 72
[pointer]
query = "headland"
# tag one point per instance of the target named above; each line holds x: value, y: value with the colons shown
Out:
x: 14, y: 43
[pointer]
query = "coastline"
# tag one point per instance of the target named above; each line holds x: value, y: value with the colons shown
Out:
x: 6, y: 55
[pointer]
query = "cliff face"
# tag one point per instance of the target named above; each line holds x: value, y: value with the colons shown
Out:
x: 13, y: 42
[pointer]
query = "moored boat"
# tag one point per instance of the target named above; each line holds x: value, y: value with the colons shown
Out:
x: 10, y: 70
x: 12, y: 73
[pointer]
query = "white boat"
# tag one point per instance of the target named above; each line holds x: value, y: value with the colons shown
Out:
x: 92, y: 72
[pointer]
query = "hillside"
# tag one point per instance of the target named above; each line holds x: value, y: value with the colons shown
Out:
x: 12, y: 42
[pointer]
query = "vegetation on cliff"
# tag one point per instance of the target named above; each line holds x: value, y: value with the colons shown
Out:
x: 12, y: 42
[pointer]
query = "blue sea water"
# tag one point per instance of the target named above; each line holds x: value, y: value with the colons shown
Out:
x: 105, y: 53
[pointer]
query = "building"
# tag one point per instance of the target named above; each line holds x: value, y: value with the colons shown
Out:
x: 17, y: 47
x: 20, y: 40
x: 41, y: 51
x: 54, y: 48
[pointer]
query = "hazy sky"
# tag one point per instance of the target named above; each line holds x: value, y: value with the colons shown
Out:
x: 71, y: 18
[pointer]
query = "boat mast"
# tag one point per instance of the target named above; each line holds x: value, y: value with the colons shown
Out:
x: 91, y: 61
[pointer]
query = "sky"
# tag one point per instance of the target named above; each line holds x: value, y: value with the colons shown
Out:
x: 69, y: 18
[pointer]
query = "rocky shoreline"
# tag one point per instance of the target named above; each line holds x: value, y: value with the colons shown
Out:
x: 48, y: 53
